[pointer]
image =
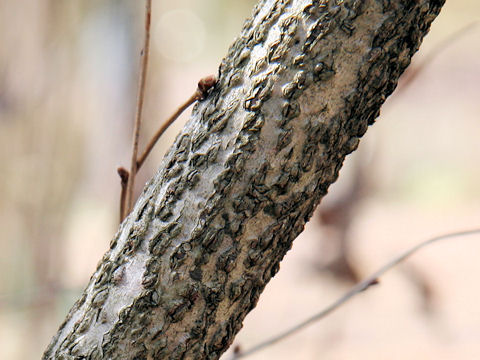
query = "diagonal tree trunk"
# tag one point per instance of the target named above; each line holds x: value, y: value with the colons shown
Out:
x: 296, y: 91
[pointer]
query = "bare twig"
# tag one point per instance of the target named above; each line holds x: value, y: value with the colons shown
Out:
x: 362, y: 286
x: 162, y: 129
x: 204, y: 86
x: 138, y: 116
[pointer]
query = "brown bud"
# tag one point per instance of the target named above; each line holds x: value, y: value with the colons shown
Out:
x: 205, y: 84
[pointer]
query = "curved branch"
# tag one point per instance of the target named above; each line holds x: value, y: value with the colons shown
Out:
x: 371, y: 280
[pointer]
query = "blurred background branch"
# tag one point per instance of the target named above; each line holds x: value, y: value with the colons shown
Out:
x: 129, y: 197
x: 371, y: 280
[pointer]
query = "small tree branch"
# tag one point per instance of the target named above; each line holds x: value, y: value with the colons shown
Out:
x: 204, y: 85
x: 357, y: 289
x: 138, y: 116
x: 162, y: 129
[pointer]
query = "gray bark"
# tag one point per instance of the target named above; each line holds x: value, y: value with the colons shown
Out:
x: 296, y: 91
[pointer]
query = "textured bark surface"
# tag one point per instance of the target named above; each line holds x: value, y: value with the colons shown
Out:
x: 296, y: 91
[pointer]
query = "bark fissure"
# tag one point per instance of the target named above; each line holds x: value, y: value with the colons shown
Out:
x: 295, y: 92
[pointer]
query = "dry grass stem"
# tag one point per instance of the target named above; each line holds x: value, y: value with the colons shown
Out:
x: 139, y: 109
x: 360, y: 287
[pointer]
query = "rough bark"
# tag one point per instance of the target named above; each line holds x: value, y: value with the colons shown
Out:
x: 296, y: 91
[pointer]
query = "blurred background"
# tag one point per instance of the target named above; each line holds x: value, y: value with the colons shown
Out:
x: 68, y: 82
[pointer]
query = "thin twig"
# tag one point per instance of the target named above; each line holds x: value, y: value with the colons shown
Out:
x: 203, y: 88
x: 362, y: 286
x: 411, y: 75
x: 204, y: 85
x: 138, y: 115
x: 164, y: 127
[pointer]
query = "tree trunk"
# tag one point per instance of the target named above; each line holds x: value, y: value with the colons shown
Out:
x: 296, y: 91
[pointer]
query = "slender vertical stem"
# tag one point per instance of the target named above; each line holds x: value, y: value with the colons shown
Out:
x: 138, y: 116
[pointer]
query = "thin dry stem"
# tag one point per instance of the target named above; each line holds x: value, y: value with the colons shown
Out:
x: 360, y: 287
x: 164, y: 127
x: 138, y: 116
x: 204, y: 86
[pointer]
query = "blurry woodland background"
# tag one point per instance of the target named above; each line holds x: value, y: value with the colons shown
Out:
x: 68, y: 82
